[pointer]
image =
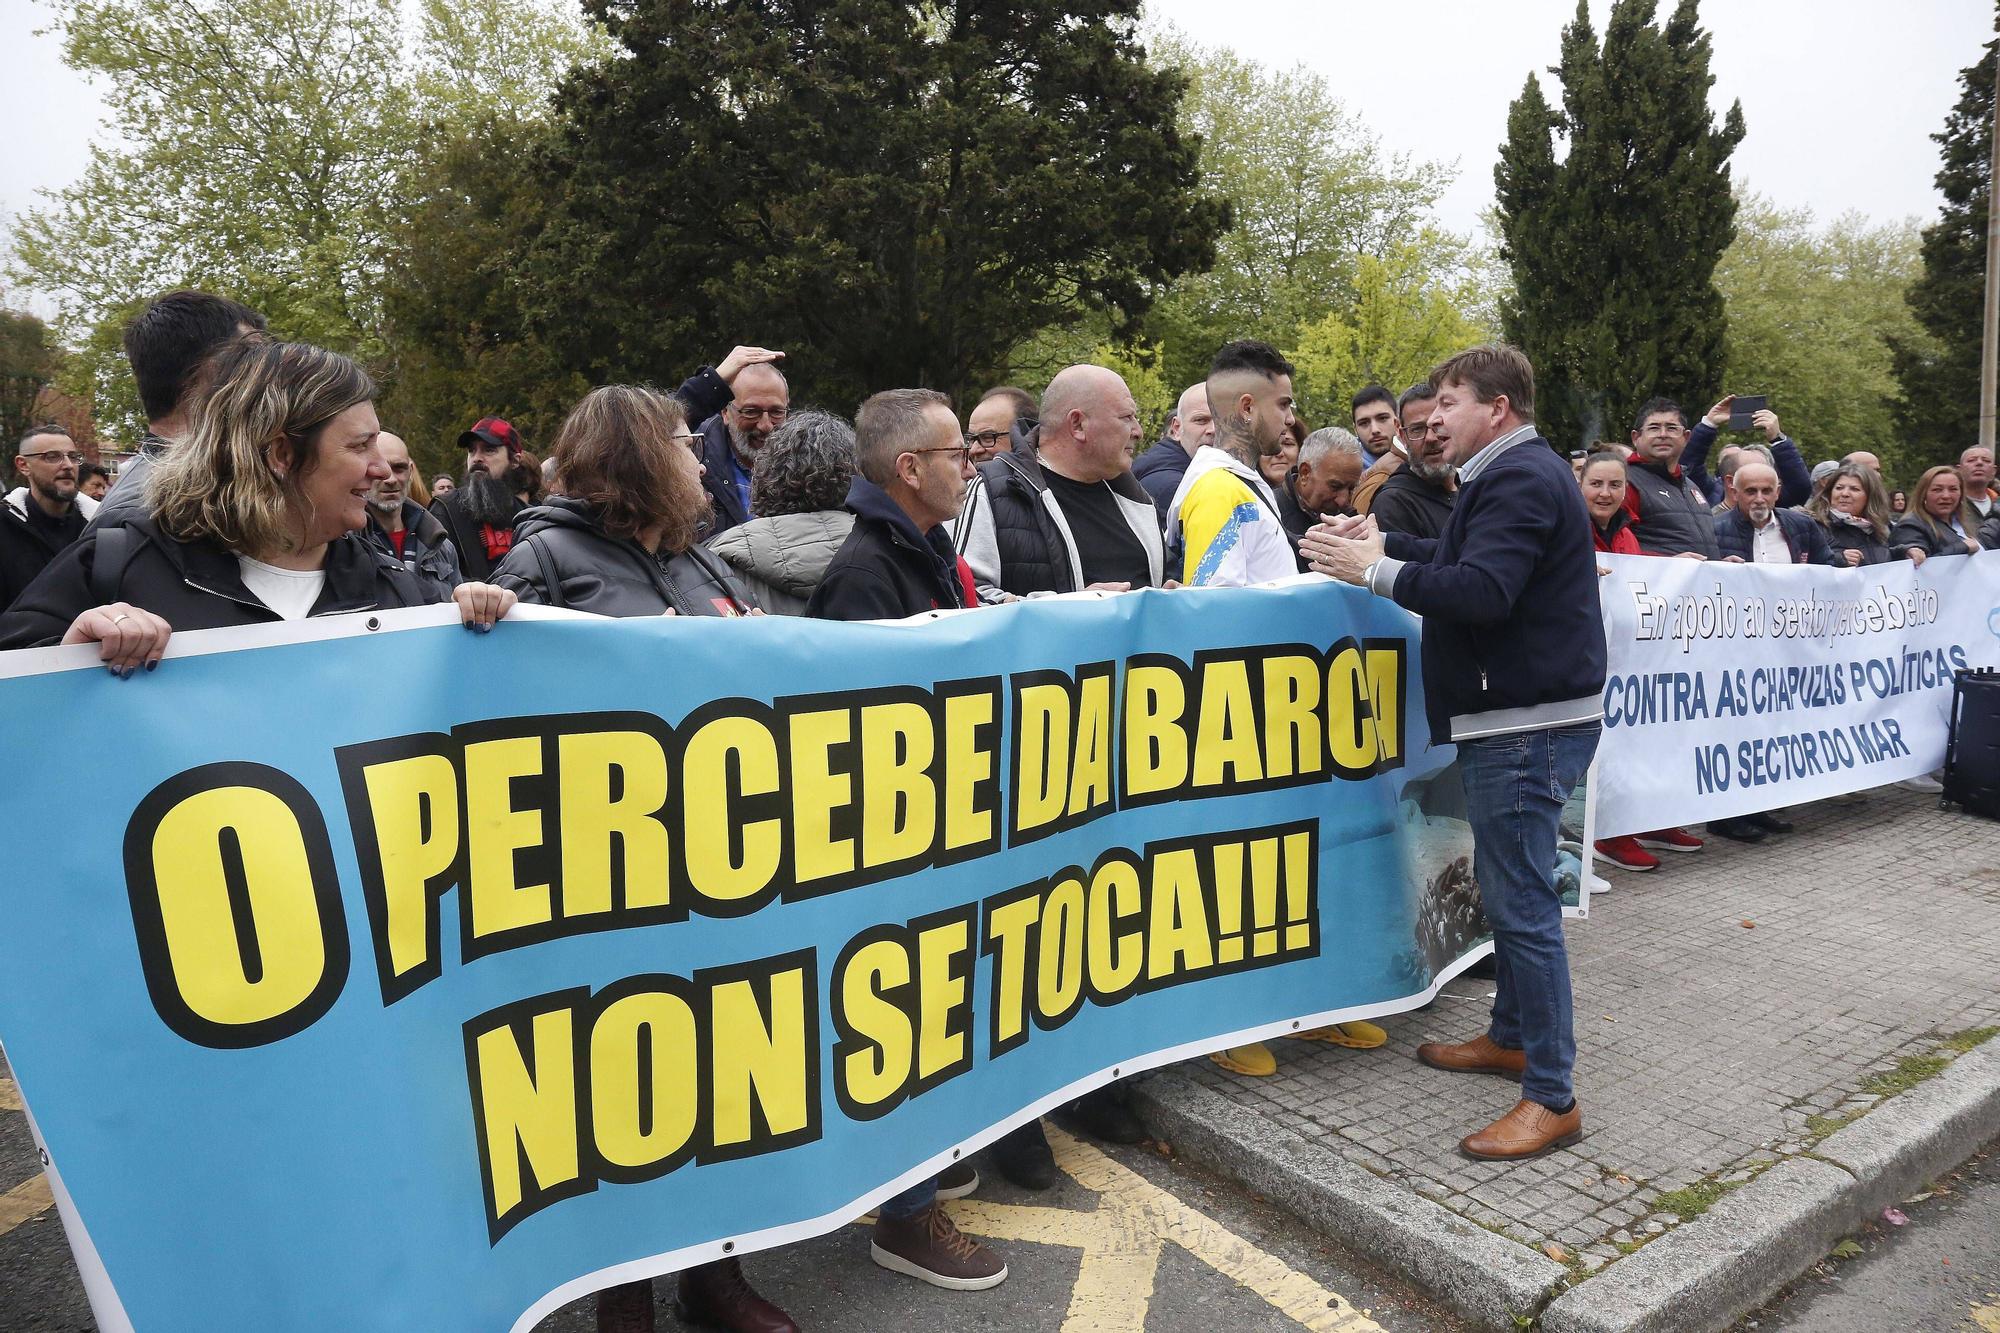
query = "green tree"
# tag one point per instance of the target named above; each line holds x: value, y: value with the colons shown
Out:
x: 263, y: 149
x: 1313, y: 193
x: 1812, y: 311
x: 894, y: 193
x: 1403, y: 321
x: 1613, y: 248
x: 29, y: 359
x: 1937, y: 411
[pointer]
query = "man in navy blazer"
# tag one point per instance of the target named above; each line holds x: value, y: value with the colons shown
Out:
x: 1756, y: 531
x: 1513, y: 662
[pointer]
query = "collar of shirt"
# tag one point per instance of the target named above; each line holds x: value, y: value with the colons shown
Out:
x: 1476, y: 464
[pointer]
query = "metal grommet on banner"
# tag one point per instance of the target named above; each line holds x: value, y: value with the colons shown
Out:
x: 728, y: 1247
x: 374, y: 623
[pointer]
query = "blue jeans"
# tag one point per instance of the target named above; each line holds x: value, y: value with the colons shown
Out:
x: 910, y: 1202
x: 1515, y: 786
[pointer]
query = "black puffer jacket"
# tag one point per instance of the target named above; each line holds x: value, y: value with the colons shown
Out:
x: 563, y: 557
x: 194, y: 585
x: 1010, y: 535
x: 1843, y: 536
x: 1915, y: 531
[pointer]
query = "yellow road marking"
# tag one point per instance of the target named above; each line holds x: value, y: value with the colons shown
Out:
x: 1986, y: 1318
x: 10, y: 1096
x: 1121, y: 1242
x: 30, y: 1198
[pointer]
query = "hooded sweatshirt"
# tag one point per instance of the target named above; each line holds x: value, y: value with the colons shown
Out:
x: 1231, y: 533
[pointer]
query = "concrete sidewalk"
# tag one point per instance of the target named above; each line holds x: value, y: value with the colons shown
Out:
x: 1773, y: 1041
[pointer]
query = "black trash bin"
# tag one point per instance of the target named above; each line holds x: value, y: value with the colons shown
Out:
x: 1972, y: 755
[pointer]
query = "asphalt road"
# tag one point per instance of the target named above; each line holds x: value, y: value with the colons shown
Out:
x: 1218, y: 1259
x: 1937, y: 1273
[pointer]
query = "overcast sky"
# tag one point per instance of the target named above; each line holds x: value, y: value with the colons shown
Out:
x: 1840, y: 95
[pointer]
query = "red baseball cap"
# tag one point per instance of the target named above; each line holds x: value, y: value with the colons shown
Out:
x: 492, y: 430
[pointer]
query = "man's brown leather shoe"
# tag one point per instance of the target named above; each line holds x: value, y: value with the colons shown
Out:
x: 1479, y: 1056
x: 1529, y: 1130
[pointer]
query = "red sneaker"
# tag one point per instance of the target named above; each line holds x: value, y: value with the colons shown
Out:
x: 1626, y: 854
x: 1670, y: 840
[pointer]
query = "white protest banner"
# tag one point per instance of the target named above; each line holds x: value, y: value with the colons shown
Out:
x: 1735, y: 688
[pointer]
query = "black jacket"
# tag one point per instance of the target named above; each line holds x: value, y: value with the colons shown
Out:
x: 1408, y: 504
x: 1512, y: 638
x: 1920, y: 532
x: 1159, y: 471
x: 1009, y: 536
x: 563, y: 557
x: 886, y: 569
x: 28, y: 542
x: 1794, y: 477
x: 427, y: 552
x: 1671, y: 514
x: 719, y: 479
x: 1805, y: 539
x: 1843, y: 536
x: 1298, y: 520
x: 195, y: 585
x: 465, y: 537
x: 1989, y: 533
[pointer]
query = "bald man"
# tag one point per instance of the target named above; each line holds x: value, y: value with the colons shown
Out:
x: 404, y: 528
x: 1161, y: 467
x: 1068, y: 515
x: 1756, y: 531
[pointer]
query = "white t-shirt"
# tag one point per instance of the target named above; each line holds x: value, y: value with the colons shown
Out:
x: 289, y: 592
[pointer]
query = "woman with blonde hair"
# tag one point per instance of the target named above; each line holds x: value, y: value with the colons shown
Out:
x: 1939, y: 521
x: 1850, y: 504
x: 255, y: 516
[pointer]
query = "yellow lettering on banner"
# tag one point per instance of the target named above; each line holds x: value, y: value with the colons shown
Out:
x: 758, y: 1051
x: 970, y: 767
x: 711, y: 816
x: 634, y: 1124
x: 602, y: 831
x: 235, y: 889
x: 1293, y: 744
x: 1059, y: 960
x: 1156, y: 746
x: 1385, y: 677
x: 1007, y: 929
x: 876, y: 1072
x: 495, y: 831
x: 1043, y: 729
x: 527, y: 1108
x: 1351, y: 730
x: 1117, y: 958
x: 898, y: 799
x: 1177, y: 938
x: 943, y: 981
x: 1090, y: 774
x: 817, y: 791
x: 1226, y: 747
x: 413, y: 809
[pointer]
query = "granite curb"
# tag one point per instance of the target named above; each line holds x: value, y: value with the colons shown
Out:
x: 1701, y: 1275
x: 1484, y: 1276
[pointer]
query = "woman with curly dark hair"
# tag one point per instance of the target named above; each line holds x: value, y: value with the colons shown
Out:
x: 797, y: 490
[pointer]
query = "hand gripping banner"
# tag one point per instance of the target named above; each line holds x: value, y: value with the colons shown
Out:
x: 396, y: 977
x: 1736, y: 688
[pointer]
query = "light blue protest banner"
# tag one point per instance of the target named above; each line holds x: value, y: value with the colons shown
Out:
x: 423, y: 979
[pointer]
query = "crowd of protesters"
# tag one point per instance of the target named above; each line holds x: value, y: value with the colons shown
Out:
x: 266, y: 489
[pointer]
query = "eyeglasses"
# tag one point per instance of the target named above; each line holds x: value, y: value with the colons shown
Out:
x: 693, y: 442
x: 985, y: 439
x: 776, y: 414
x: 1418, y: 431
x: 58, y: 455
x: 960, y: 449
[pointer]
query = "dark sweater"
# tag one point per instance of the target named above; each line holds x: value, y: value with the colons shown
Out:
x: 886, y: 569
x: 1408, y: 504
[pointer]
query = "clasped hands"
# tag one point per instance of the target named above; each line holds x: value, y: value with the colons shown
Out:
x: 1342, y: 548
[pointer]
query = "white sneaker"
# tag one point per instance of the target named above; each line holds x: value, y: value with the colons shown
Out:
x: 1599, y: 884
x: 1923, y: 782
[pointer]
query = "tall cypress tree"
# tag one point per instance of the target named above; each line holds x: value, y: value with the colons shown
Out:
x: 1938, y: 409
x: 1614, y: 248
x: 895, y: 193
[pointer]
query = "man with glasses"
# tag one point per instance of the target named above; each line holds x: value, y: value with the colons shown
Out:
x: 1413, y: 412
x: 404, y: 528
x: 43, y: 515
x: 732, y: 437
x: 1000, y: 412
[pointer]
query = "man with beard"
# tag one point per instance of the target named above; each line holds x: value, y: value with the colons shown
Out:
x: 478, y: 516
x: 731, y: 438
x: 1756, y: 531
x: 46, y: 514
x: 1417, y: 498
x: 404, y: 528
x: 1223, y: 516
x: 1322, y: 484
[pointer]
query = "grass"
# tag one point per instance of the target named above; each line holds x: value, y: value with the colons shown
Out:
x: 1693, y: 1200
x: 1819, y: 1126
x: 1909, y: 1071
x: 1958, y: 1043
